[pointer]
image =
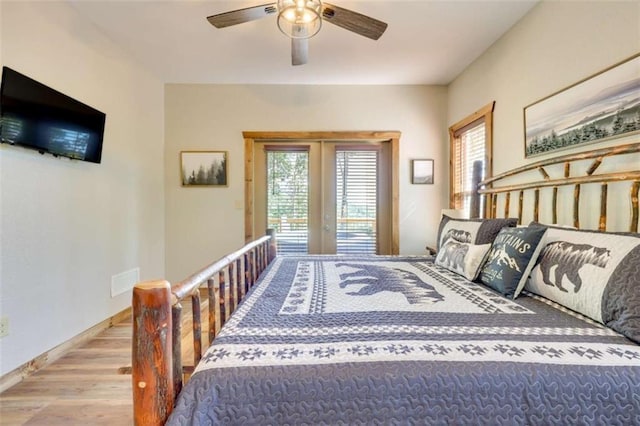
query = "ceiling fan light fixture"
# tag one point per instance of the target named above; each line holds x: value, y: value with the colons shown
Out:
x: 299, y: 18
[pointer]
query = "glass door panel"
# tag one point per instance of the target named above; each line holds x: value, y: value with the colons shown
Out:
x: 356, y: 201
x: 288, y: 199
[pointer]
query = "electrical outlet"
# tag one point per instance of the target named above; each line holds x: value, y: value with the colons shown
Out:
x: 4, y: 326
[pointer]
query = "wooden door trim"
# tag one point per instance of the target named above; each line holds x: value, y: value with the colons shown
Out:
x: 251, y: 137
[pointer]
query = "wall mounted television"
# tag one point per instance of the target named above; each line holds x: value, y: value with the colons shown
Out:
x: 38, y: 117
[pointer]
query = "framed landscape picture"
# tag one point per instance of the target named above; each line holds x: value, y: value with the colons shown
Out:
x: 601, y: 107
x: 203, y: 168
x: 422, y: 171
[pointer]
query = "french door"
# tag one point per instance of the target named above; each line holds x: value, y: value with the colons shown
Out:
x: 324, y: 197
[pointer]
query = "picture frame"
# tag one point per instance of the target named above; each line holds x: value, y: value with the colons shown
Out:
x: 422, y: 172
x: 204, y: 168
x: 600, y: 107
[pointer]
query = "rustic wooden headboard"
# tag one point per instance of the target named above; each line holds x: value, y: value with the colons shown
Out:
x: 577, y: 171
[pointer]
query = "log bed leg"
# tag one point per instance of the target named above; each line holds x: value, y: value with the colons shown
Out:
x: 151, y: 357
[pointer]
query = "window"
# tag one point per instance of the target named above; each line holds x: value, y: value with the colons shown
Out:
x: 470, y: 161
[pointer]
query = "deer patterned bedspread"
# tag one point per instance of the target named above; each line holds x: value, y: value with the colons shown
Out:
x: 398, y: 340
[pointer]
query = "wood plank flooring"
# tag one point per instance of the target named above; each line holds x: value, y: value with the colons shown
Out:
x: 81, y: 388
x: 84, y: 387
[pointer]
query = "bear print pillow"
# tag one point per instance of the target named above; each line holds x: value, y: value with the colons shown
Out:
x: 462, y: 258
x: 594, y: 273
x: 473, y: 231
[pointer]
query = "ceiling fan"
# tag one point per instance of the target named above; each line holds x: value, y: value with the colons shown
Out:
x: 302, y: 19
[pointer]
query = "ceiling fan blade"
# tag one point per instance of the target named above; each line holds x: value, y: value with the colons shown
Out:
x: 353, y: 21
x: 300, y: 46
x: 299, y: 51
x: 234, y: 17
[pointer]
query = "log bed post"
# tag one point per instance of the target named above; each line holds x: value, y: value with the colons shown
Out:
x: 151, y: 359
x: 157, y: 370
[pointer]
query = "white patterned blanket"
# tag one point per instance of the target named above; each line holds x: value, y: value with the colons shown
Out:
x: 321, y: 324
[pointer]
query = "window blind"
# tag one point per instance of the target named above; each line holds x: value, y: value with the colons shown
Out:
x: 469, y: 150
x: 356, y: 201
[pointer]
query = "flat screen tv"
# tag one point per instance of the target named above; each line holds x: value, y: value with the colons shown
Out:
x: 36, y: 116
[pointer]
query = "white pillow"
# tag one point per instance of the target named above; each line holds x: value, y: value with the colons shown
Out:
x: 462, y: 258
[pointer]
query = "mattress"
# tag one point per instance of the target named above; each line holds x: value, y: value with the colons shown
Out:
x: 399, y: 340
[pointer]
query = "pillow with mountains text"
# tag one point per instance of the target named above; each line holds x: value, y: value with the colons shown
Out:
x: 512, y: 256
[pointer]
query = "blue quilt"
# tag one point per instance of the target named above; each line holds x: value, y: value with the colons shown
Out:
x: 397, y: 340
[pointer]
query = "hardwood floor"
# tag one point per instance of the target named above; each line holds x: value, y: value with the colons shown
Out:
x: 83, y: 387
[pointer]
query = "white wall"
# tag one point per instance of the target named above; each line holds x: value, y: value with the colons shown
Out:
x: 205, y: 223
x: 554, y: 46
x: 68, y: 226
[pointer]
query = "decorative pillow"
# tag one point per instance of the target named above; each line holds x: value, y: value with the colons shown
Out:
x: 462, y: 258
x: 512, y: 256
x: 474, y: 231
x: 594, y: 273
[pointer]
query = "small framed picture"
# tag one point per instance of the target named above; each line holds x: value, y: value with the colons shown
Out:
x: 203, y: 168
x: 422, y: 171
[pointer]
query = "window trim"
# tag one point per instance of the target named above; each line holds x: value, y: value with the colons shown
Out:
x: 484, y: 114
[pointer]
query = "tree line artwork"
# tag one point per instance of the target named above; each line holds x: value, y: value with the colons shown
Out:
x: 204, y: 168
x: 624, y: 121
x: 604, y: 106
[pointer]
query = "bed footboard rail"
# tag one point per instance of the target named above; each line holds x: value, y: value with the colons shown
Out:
x: 157, y: 369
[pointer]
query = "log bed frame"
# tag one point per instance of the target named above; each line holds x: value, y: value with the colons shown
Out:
x: 491, y: 193
x: 156, y: 359
x: 157, y: 369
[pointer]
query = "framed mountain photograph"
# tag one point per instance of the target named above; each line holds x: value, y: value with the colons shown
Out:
x: 598, y: 108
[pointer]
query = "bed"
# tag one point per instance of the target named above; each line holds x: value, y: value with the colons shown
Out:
x: 507, y: 324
